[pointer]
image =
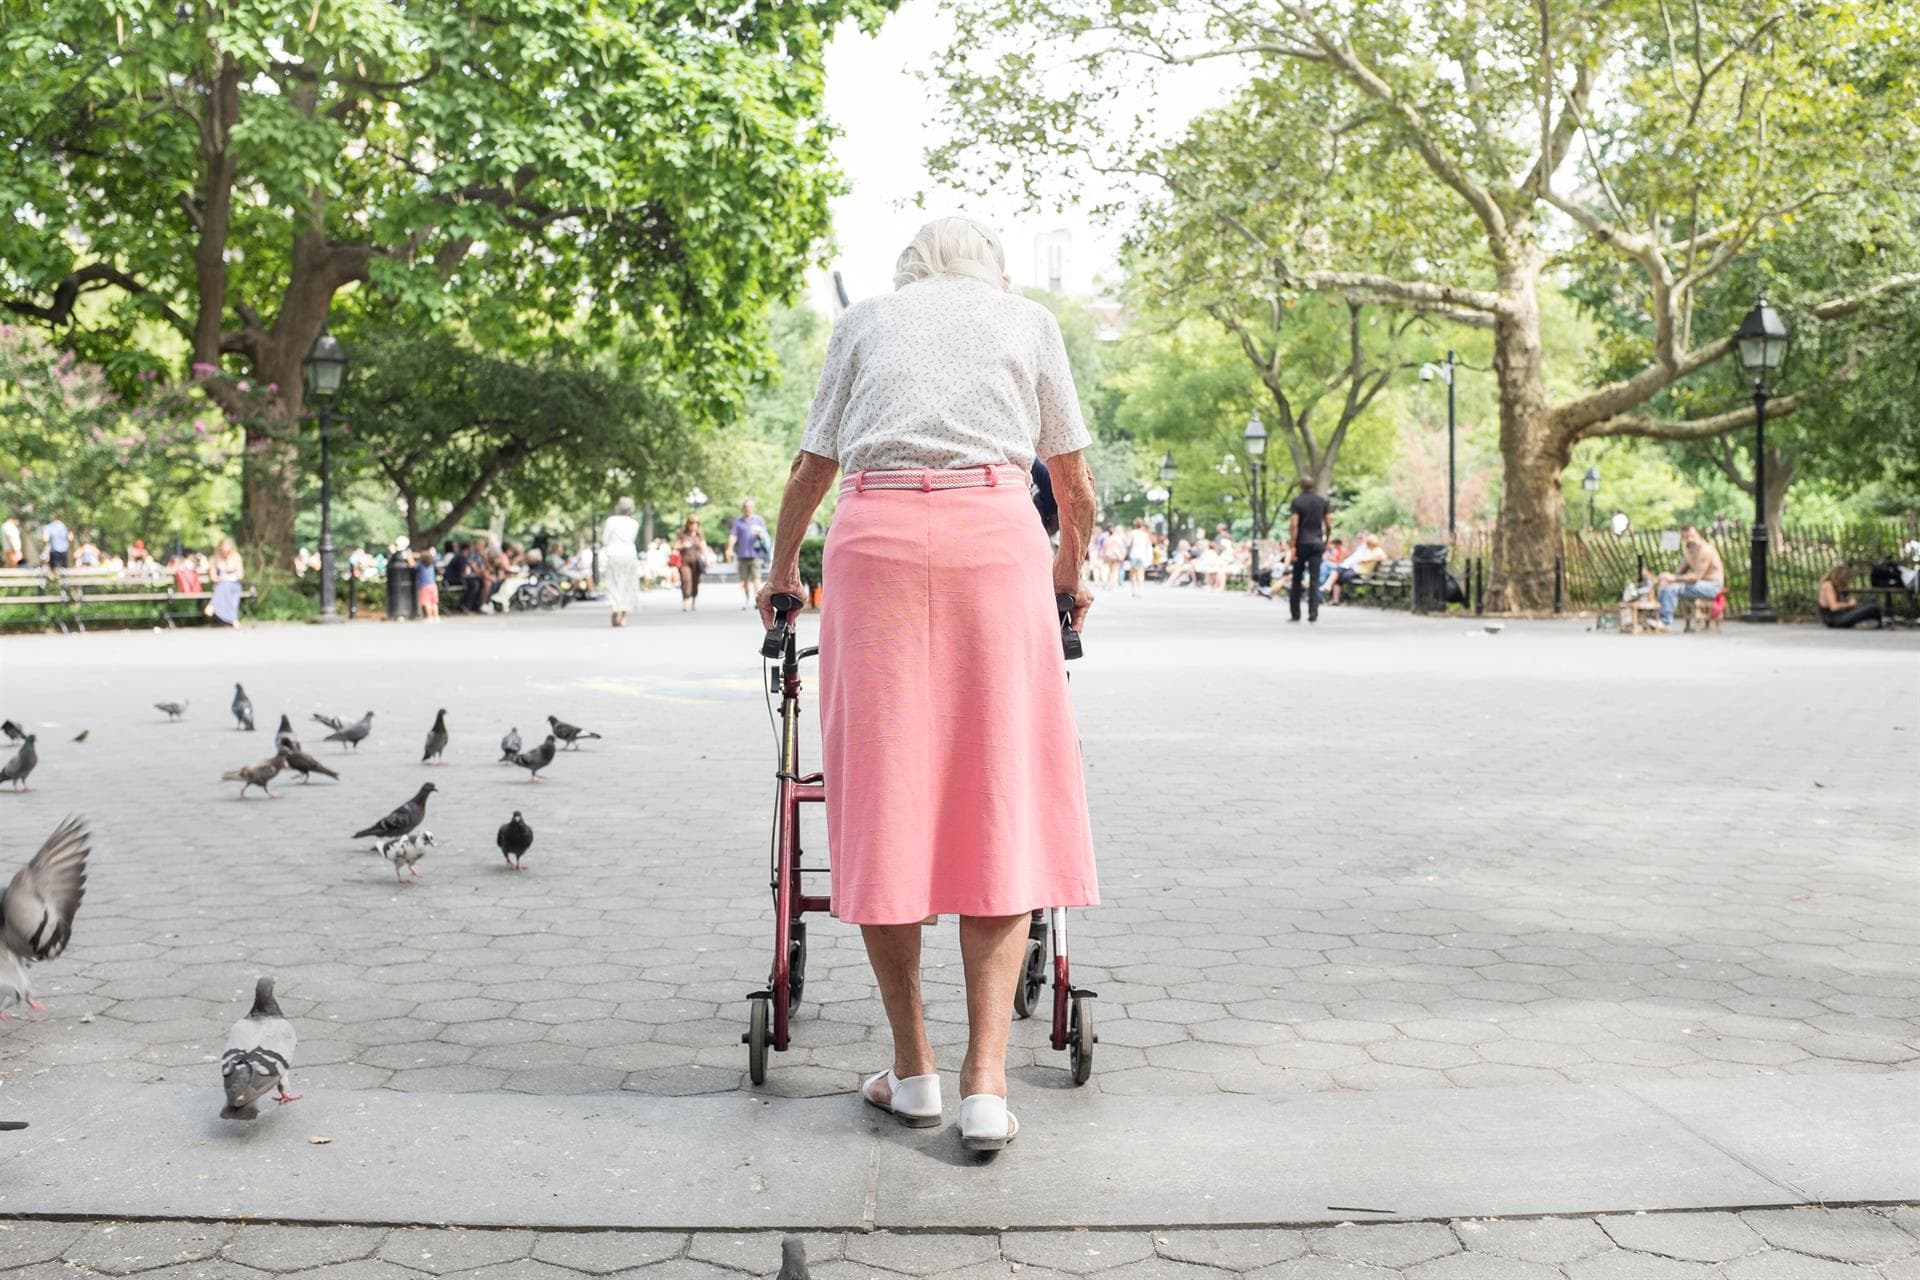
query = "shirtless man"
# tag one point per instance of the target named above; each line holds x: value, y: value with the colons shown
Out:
x: 1700, y: 576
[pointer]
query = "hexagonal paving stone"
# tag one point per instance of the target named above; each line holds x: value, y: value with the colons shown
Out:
x: 1845, y: 1235
x: 276, y: 1248
x: 1384, y: 1244
x: 1779, y: 1264
x: 1077, y: 1252
x: 1480, y: 1266
x: 1317, y: 1268
x: 1554, y: 1240
x: 120, y: 1249
x: 520, y: 1269
x: 1236, y: 1250
x: 601, y: 1253
x: 758, y: 1252
x: 921, y: 1255
x: 442, y: 1252
x: 1619, y: 1264
x: 1696, y: 1237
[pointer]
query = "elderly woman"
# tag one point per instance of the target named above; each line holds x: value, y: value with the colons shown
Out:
x: 952, y: 764
x: 622, y: 583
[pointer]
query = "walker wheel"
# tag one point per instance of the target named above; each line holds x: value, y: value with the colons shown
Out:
x: 796, y: 966
x: 1033, y: 976
x: 1080, y: 1040
x: 758, y: 1037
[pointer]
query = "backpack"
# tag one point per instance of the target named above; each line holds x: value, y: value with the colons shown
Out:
x: 1886, y: 574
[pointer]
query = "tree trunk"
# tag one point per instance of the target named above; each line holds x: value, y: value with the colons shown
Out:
x: 1533, y: 450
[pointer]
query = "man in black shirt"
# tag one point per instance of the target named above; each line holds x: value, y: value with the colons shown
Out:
x: 1309, y: 522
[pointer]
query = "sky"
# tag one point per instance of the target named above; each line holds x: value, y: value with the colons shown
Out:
x: 887, y: 118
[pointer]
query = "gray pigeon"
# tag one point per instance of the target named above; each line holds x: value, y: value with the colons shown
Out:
x: 242, y: 709
x: 305, y: 765
x: 401, y: 820
x: 537, y: 759
x: 406, y: 851
x: 13, y: 731
x: 571, y: 734
x: 259, y: 1057
x: 17, y: 769
x: 510, y: 746
x: 284, y: 739
x: 436, y: 739
x: 515, y: 837
x: 37, y: 910
x: 174, y: 710
x: 793, y: 1260
x: 353, y: 734
x: 331, y: 722
x: 257, y: 775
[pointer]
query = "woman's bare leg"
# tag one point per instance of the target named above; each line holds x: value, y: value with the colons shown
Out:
x: 894, y: 952
x: 991, y: 950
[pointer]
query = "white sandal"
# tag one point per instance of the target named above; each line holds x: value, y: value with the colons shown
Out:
x: 914, y: 1101
x: 985, y: 1122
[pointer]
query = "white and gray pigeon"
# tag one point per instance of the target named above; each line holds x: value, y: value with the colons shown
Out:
x: 259, y: 1057
x: 334, y: 723
x: 352, y: 735
x: 405, y: 851
x: 571, y: 734
x: 174, y: 710
x: 537, y: 759
x: 510, y: 745
x: 436, y: 748
x: 242, y: 709
x: 285, y: 741
x: 22, y: 764
x: 37, y: 910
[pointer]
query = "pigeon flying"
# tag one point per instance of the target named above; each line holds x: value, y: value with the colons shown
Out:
x: 401, y: 820
x: 436, y: 739
x: 352, y: 735
x: 82, y: 735
x: 537, y: 759
x: 174, y: 710
x: 37, y: 910
x: 510, y: 746
x: 17, y: 769
x: 257, y: 775
x: 305, y: 765
x: 329, y: 721
x: 571, y: 734
x: 284, y: 739
x: 13, y: 731
x: 405, y: 851
x: 259, y: 1057
x: 242, y: 709
x: 515, y: 837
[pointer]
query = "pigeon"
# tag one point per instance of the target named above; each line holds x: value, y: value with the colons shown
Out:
x: 82, y: 735
x: 284, y: 739
x: 570, y: 734
x: 537, y: 759
x: 401, y: 820
x: 37, y: 909
x: 242, y: 709
x: 17, y: 769
x: 405, y: 851
x: 515, y: 837
x: 436, y: 739
x: 174, y: 710
x: 259, y: 1057
x: 14, y: 732
x: 257, y: 775
x: 352, y: 735
x: 510, y: 746
x: 793, y: 1260
x: 305, y: 765
x: 331, y: 722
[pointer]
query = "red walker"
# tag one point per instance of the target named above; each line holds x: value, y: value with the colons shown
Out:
x: 770, y: 1012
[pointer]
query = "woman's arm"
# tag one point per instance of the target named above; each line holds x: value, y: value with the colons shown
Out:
x: 807, y: 484
x: 1073, y: 490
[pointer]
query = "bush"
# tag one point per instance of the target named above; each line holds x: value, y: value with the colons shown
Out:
x: 281, y: 598
x: 813, y: 554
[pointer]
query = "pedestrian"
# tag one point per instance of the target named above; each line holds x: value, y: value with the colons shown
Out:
x: 748, y: 548
x: 11, y: 552
x: 691, y: 547
x: 934, y: 401
x: 425, y: 589
x: 1309, y: 525
x: 1139, y: 554
x: 54, y: 538
x: 228, y: 571
x: 622, y: 583
x: 1113, y: 552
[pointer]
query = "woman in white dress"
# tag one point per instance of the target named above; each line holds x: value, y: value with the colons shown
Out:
x: 623, y: 561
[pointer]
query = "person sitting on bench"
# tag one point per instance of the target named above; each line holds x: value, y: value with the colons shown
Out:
x: 1838, y: 609
x: 1699, y: 576
x: 1359, y: 563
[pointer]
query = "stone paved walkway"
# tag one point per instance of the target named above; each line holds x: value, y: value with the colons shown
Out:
x: 1381, y: 853
x: 1792, y: 1244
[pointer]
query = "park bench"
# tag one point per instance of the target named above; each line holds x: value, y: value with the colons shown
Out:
x: 102, y: 595
x: 31, y: 594
x: 1390, y: 582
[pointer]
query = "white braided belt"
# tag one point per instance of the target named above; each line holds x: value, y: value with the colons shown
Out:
x: 928, y: 481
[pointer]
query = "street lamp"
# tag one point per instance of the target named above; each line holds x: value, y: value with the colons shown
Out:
x: 696, y: 499
x: 1761, y: 341
x: 1591, y: 483
x: 1254, y: 438
x: 1168, y: 472
x: 1444, y: 372
x: 326, y: 371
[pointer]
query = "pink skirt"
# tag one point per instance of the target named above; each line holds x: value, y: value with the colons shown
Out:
x: 952, y: 764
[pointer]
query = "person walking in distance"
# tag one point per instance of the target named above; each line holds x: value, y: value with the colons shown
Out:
x: 1309, y: 522
x: 748, y: 548
x: 692, y: 548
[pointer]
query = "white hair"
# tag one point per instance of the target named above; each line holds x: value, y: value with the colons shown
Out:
x: 955, y: 246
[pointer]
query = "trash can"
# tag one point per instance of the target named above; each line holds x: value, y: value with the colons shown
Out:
x: 1430, y: 577
x: 403, y: 601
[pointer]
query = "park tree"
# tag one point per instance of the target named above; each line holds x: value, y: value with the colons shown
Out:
x: 527, y: 171
x: 1674, y: 139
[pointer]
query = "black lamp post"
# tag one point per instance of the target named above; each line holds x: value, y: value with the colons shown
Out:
x: 1761, y: 341
x: 1591, y: 483
x: 326, y: 370
x: 1255, y: 440
x: 1444, y: 372
x: 1167, y: 473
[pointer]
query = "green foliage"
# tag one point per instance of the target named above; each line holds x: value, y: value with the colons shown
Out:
x: 813, y: 557
x: 280, y: 599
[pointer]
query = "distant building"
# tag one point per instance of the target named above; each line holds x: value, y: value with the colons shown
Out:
x: 1052, y: 259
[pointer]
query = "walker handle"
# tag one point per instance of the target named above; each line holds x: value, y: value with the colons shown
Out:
x: 785, y: 606
x: 1069, y: 638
